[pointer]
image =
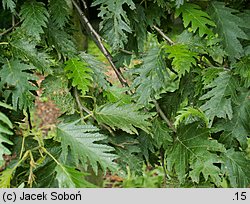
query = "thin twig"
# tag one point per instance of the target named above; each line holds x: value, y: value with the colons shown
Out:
x: 78, y: 102
x: 164, y: 117
x: 83, y: 108
x: 129, y: 52
x: 163, y: 35
x: 164, y: 168
x: 85, y: 6
x: 9, y: 29
x: 98, y: 40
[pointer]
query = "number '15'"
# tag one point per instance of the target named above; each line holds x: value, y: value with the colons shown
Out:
x: 241, y: 196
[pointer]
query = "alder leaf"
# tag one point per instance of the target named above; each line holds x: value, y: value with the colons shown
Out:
x: 6, y: 127
x: 34, y: 16
x: 115, y: 23
x: 237, y: 128
x: 193, y: 151
x: 5, y: 178
x: 193, y: 14
x: 60, y: 12
x: 61, y: 41
x: 69, y: 177
x: 151, y: 77
x: 98, y: 68
x: 220, y: 95
x: 82, y: 141
x: 80, y: 74
x: 183, y: 58
x: 15, y: 74
x: 9, y: 4
x: 27, y: 51
x: 237, y: 168
x: 178, y: 3
x: 190, y: 115
x: 125, y: 117
x: 229, y: 27
x: 161, y: 134
x: 242, y: 68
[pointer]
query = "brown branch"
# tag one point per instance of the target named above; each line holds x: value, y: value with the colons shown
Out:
x: 163, y: 116
x: 98, y: 40
x: 9, y: 29
x: 163, y: 35
x: 83, y: 108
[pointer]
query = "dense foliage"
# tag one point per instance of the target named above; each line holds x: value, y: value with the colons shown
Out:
x: 177, y: 114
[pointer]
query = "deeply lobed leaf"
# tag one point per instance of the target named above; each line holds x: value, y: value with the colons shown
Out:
x: 15, y: 74
x: 125, y: 117
x: 237, y: 168
x: 183, y: 58
x: 69, y: 177
x: 9, y: 4
x: 80, y: 74
x: 115, y: 24
x: 80, y: 141
x: 222, y: 92
x: 229, y: 27
x: 34, y: 16
x: 59, y: 11
x: 194, y: 149
x: 192, y: 14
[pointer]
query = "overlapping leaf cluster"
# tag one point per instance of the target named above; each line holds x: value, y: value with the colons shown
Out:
x: 185, y: 104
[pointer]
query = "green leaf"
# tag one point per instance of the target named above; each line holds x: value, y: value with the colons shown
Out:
x: 129, y: 158
x: 237, y: 128
x: 34, y: 16
x: 9, y: 4
x: 229, y: 27
x: 161, y: 134
x: 69, y: 177
x: 194, y: 149
x: 125, y: 117
x: 193, y: 14
x: 115, y: 23
x: 97, y: 67
x: 190, y: 115
x: 146, y: 144
x: 209, y: 75
x: 117, y: 94
x: 56, y: 89
x: 222, y: 92
x: 237, y: 168
x: 80, y: 74
x: 3, y: 149
x: 152, y: 76
x: 27, y: 50
x: 5, y: 126
x: 5, y: 178
x: 61, y: 40
x: 178, y: 3
x: 242, y: 68
x: 45, y: 172
x: 82, y: 141
x: 183, y: 58
x: 15, y: 74
x: 60, y: 12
